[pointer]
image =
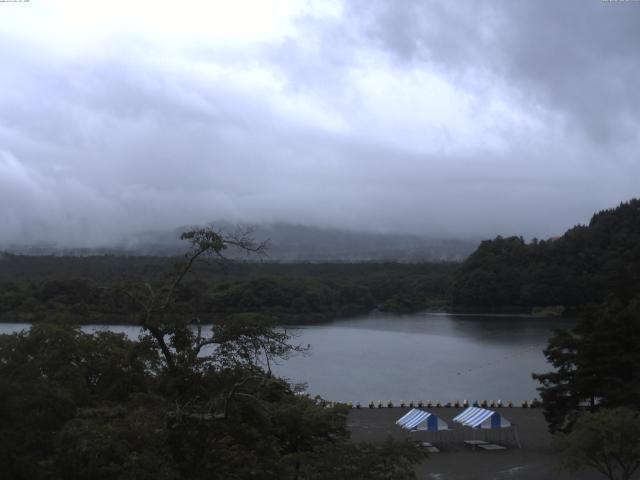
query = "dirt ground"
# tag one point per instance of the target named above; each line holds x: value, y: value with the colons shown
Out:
x: 456, y: 461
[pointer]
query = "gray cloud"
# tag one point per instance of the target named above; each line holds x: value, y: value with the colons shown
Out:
x: 449, y: 119
x: 578, y: 58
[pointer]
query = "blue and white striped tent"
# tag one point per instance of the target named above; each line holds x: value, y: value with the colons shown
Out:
x: 422, y: 421
x: 476, y: 417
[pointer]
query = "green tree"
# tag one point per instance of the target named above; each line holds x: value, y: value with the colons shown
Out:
x: 114, y: 442
x: 608, y: 441
x: 48, y: 375
x: 596, y: 364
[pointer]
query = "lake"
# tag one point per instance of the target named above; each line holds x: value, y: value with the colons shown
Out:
x: 422, y: 356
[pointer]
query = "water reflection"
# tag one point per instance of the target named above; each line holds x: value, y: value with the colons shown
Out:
x: 500, y: 329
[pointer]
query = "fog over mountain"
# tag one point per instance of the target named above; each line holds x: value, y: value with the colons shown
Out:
x: 285, y: 243
x: 458, y: 119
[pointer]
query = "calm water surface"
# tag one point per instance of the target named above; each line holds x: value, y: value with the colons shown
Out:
x: 424, y: 356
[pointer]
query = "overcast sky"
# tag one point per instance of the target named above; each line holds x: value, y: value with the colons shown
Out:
x: 435, y: 117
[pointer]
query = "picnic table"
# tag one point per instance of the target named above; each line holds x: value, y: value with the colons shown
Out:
x: 475, y: 443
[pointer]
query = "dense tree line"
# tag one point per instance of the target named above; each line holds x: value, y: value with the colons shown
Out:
x: 89, y: 289
x: 582, y: 267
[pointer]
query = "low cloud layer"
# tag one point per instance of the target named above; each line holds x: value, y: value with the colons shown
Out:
x: 442, y: 118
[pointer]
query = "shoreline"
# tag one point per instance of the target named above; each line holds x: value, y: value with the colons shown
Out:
x: 286, y: 319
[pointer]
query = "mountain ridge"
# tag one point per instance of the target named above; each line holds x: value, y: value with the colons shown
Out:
x: 288, y: 243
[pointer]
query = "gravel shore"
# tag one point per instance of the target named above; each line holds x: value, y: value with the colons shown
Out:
x: 456, y: 461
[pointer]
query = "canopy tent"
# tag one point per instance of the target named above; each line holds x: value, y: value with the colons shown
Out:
x: 420, y: 420
x: 476, y: 417
x: 486, y: 420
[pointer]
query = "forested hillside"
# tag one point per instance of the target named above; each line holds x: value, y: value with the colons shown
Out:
x: 582, y: 267
x: 504, y: 274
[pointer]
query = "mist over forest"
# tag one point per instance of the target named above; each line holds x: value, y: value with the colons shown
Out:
x: 285, y: 243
